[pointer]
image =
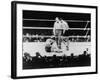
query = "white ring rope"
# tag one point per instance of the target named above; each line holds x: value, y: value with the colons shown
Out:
x: 86, y: 26
x: 54, y: 20
x: 34, y: 36
x: 52, y: 28
x: 85, y: 29
x: 87, y: 33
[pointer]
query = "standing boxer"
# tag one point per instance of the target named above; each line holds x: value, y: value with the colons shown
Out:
x: 65, y: 27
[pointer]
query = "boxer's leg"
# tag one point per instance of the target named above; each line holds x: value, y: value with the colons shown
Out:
x: 66, y: 41
x: 59, y: 39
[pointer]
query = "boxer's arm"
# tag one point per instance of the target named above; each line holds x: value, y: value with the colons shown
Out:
x: 66, y: 26
x: 54, y: 28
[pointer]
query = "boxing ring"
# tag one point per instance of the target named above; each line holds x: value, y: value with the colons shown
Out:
x: 75, y: 48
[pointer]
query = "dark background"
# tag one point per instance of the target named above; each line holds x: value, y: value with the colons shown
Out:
x: 51, y: 16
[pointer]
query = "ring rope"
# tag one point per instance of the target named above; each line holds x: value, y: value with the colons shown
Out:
x: 87, y: 31
x: 52, y: 28
x: 54, y: 20
x: 33, y: 36
x: 86, y: 26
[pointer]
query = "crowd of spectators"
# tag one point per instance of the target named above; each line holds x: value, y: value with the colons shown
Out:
x: 43, y: 38
x: 54, y: 61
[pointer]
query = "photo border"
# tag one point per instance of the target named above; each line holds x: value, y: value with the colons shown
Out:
x: 14, y: 40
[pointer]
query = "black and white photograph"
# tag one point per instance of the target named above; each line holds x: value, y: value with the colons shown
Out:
x: 54, y: 39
